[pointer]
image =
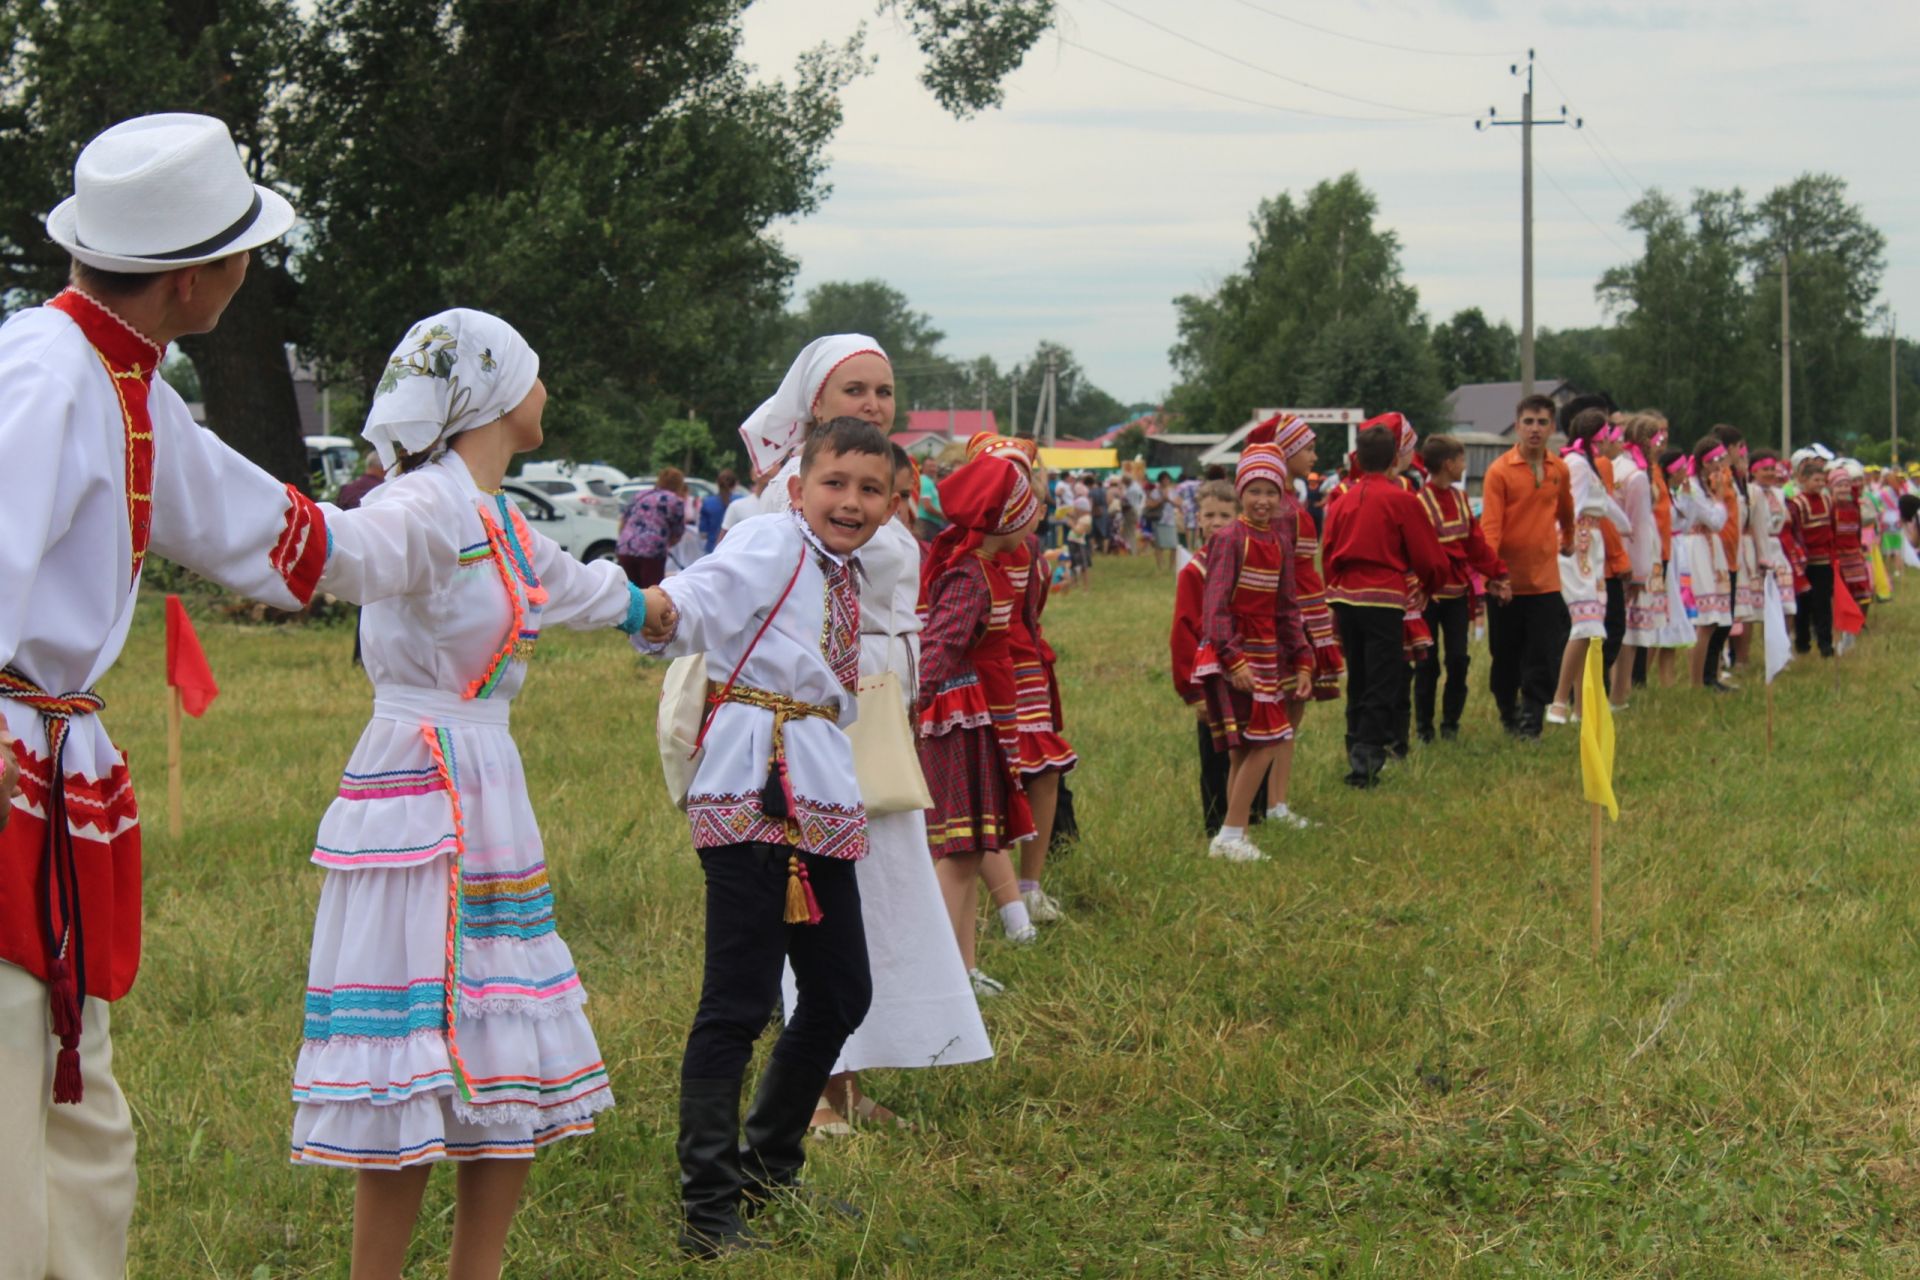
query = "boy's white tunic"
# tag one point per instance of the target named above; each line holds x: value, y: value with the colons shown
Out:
x: 380, y: 1082
x: 924, y: 1012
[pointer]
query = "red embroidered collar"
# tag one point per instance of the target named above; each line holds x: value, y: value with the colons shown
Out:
x: 130, y: 360
x: 125, y: 347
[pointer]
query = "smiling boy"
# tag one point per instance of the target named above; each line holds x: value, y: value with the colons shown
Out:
x: 777, y: 821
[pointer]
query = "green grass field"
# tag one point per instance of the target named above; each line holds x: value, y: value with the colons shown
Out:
x: 1386, y: 1052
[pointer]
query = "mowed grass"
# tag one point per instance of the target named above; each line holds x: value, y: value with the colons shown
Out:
x: 1386, y: 1052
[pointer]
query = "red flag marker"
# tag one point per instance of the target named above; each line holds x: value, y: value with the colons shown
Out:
x: 187, y: 668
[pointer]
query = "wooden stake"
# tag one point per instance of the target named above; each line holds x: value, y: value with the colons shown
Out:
x: 1594, y: 852
x: 1769, y: 680
x: 175, y: 817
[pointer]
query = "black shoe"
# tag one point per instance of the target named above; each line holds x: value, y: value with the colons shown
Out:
x: 1449, y: 732
x: 772, y: 1155
x: 1714, y: 686
x: 709, y: 1151
x: 1425, y: 734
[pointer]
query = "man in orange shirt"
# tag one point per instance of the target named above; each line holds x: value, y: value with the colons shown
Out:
x: 1527, y: 518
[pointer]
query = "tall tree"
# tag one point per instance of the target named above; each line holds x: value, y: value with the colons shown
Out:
x: 1685, y: 341
x: 69, y: 71
x: 872, y: 307
x: 604, y: 173
x: 1319, y: 278
x: 1467, y: 349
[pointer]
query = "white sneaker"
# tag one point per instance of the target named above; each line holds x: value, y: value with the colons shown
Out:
x: 1025, y: 936
x: 1041, y: 908
x: 1288, y: 818
x: 1241, y: 850
x: 1559, y: 713
x: 983, y: 986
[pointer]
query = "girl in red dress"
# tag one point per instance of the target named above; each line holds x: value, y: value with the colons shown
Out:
x: 969, y: 722
x: 1252, y: 619
x: 1044, y: 756
x: 1295, y: 441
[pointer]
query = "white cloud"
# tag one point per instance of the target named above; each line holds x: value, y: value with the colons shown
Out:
x: 1079, y: 210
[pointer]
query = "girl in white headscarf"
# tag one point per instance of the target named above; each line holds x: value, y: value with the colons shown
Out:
x: 924, y: 1012
x: 443, y: 1016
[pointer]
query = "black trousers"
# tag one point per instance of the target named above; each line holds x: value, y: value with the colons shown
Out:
x: 1528, y: 635
x: 1813, y: 616
x: 1447, y: 619
x: 1616, y: 624
x: 748, y: 938
x: 1372, y: 640
x: 1214, y: 766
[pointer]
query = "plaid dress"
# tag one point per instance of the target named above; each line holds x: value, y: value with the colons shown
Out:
x: 968, y: 712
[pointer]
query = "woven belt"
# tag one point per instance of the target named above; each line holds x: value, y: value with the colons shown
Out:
x: 60, y: 925
x: 776, y: 797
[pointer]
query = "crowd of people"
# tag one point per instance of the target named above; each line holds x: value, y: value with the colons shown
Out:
x: 878, y: 726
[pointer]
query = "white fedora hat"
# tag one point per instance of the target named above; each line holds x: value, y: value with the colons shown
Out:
x: 164, y: 191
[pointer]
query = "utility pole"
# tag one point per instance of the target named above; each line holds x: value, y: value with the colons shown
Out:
x: 1046, y: 417
x: 1786, y: 363
x: 1013, y: 418
x: 1893, y: 388
x: 1526, y: 124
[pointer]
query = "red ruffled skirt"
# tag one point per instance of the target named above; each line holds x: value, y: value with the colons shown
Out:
x: 978, y: 806
x: 1329, y: 663
x: 1239, y: 719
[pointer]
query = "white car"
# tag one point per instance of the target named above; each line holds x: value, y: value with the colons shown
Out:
x: 572, y: 471
x: 587, y: 496
x: 587, y: 533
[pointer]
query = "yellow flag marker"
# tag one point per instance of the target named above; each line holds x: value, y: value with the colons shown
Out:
x: 1596, y: 769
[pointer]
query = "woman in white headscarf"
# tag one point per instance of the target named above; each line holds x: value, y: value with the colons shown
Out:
x: 443, y: 1016
x: 924, y: 1012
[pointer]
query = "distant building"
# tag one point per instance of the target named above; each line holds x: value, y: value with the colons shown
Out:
x: 955, y: 424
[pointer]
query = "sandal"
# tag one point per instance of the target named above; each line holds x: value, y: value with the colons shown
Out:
x: 867, y: 1111
x: 828, y: 1123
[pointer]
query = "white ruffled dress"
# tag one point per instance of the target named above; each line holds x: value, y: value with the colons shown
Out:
x: 443, y: 1013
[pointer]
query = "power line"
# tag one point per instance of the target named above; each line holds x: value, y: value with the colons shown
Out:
x: 1614, y: 166
x: 1278, y: 75
x: 1582, y: 212
x: 1234, y: 97
x: 1378, y: 44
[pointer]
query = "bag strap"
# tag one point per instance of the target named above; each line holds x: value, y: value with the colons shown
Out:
x: 714, y: 700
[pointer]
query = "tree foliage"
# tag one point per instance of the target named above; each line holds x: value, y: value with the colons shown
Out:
x: 1318, y: 315
x: 602, y: 174
x: 1698, y: 313
x: 1467, y: 349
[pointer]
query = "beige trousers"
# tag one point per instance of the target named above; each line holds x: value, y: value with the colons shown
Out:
x: 66, y: 1177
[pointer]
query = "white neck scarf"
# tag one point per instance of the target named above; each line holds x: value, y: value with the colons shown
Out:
x: 453, y: 372
x: 774, y: 430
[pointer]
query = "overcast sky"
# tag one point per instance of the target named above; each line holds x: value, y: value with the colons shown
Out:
x: 1097, y: 193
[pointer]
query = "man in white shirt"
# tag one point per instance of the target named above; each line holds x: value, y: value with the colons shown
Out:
x: 103, y: 465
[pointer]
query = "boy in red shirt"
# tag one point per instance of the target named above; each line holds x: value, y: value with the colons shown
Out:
x: 1377, y: 536
x: 1217, y: 508
x: 1447, y: 613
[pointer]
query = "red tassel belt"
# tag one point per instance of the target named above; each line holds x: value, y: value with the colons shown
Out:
x: 776, y: 797
x: 59, y: 905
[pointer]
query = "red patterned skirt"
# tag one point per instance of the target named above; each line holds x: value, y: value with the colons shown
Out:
x: 1850, y: 565
x: 1239, y: 719
x: 1329, y: 663
x: 1040, y: 744
x: 977, y: 807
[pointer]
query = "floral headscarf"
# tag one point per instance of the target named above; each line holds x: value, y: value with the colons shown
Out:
x: 454, y: 371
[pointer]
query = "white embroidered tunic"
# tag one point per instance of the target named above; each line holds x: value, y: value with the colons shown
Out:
x: 810, y: 653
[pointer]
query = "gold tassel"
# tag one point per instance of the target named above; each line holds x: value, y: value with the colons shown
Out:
x: 796, y: 895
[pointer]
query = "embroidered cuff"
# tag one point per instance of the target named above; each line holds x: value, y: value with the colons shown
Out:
x: 636, y: 611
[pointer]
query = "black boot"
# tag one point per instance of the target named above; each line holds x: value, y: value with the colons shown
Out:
x: 776, y: 1127
x: 710, y: 1170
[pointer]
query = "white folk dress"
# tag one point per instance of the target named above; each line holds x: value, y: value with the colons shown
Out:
x: 443, y: 1014
x: 1646, y: 588
x: 1702, y: 517
x: 924, y: 1012
x: 1583, y: 574
x: 1769, y: 518
x: 1749, y: 601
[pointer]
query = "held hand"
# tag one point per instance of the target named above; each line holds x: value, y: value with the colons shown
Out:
x: 1241, y: 678
x: 9, y: 776
x: 661, y: 616
x: 1657, y: 580
x: 1501, y: 589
